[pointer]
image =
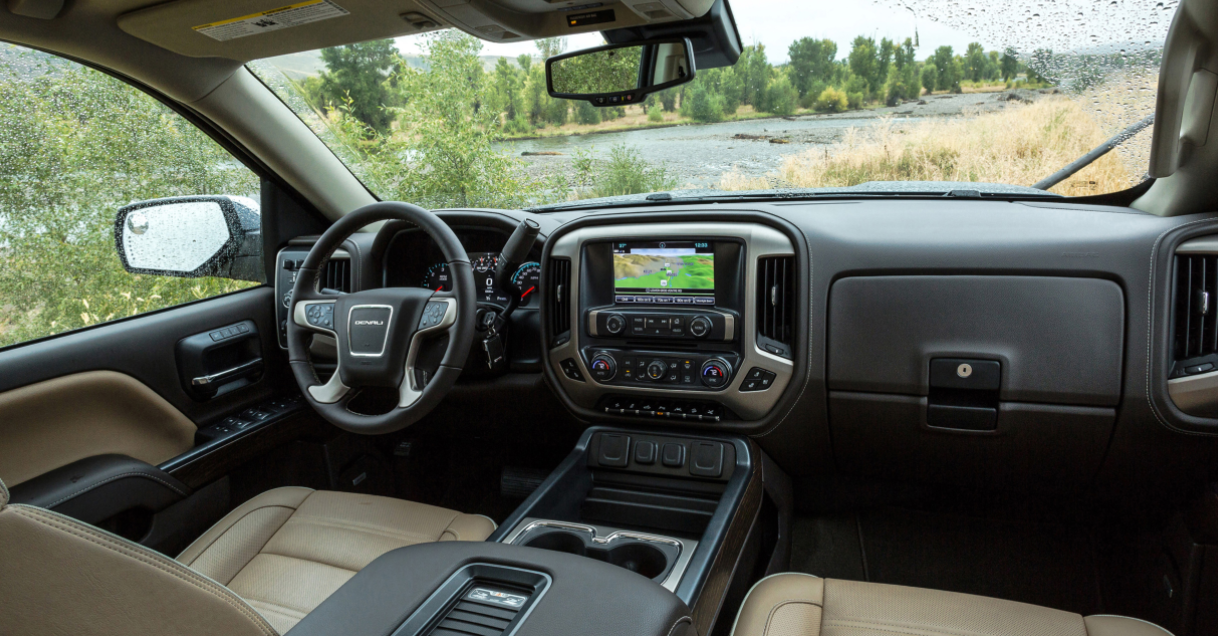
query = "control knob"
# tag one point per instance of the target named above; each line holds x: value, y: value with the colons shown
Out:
x: 603, y: 367
x: 700, y: 326
x: 657, y: 369
x: 615, y: 324
x: 716, y: 372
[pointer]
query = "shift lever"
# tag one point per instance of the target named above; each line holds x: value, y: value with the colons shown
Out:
x: 515, y: 254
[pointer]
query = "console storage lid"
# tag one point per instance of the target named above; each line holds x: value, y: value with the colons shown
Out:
x: 583, y: 595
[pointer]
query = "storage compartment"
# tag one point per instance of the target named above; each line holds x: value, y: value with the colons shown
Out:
x: 656, y: 557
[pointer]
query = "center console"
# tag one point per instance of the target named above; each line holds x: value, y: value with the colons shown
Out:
x: 674, y: 321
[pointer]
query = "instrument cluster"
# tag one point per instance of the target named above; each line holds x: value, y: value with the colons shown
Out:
x: 412, y: 260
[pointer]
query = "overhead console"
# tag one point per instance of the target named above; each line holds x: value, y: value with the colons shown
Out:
x: 673, y: 321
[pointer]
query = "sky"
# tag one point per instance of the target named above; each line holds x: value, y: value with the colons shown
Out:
x: 1065, y: 24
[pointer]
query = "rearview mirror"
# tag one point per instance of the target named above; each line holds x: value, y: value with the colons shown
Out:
x: 620, y: 74
x: 191, y: 237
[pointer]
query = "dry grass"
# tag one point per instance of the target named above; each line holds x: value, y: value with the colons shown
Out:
x: 1020, y: 145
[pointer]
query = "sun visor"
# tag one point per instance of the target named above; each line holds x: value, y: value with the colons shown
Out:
x: 245, y: 30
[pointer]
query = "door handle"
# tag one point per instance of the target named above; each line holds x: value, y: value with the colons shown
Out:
x: 244, y: 369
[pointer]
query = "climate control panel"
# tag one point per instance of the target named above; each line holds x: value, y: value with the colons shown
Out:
x: 700, y: 371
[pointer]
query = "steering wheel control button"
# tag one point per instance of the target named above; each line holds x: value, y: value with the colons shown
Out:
x: 673, y: 455
x: 603, y: 367
x: 320, y: 315
x: 571, y: 369
x: 645, y: 453
x: 615, y: 324
x: 757, y: 379
x: 700, y: 327
x: 716, y: 373
x: 706, y: 459
x: 614, y: 450
x: 433, y: 314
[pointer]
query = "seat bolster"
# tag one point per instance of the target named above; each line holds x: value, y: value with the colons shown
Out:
x: 468, y: 528
x: 3, y: 495
x: 1105, y: 625
x: 788, y: 604
x: 240, y: 535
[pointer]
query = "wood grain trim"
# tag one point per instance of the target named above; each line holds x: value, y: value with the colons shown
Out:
x: 53, y: 423
x: 709, y: 602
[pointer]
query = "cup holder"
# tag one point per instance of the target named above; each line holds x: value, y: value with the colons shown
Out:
x: 651, y: 559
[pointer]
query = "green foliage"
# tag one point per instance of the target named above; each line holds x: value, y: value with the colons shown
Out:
x: 855, y: 100
x: 668, y: 99
x: 975, y: 61
x: 1009, y: 64
x: 864, y: 64
x: 586, y: 113
x: 781, y: 97
x: 610, y: 71
x: 930, y: 76
x: 655, y: 114
x: 832, y: 100
x: 812, y: 63
x: 755, y: 73
x: 357, y: 75
x: 77, y: 145
x: 949, y: 69
x: 702, y: 105
x: 627, y: 172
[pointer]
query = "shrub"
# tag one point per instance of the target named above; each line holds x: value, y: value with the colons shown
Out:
x: 518, y: 125
x: 781, y: 97
x: 627, y: 172
x: 668, y: 99
x: 930, y: 77
x: 809, y: 100
x: 655, y: 113
x: 556, y: 111
x: 700, y: 105
x: 854, y: 100
x: 586, y: 113
x: 831, y: 100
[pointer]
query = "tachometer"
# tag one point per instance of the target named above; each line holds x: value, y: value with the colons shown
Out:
x: 438, y: 278
x: 527, y: 278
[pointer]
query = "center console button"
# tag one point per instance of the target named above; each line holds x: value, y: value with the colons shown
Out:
x: 614, y: 450
x: 656, y: 369
x: 644, y: 453
x: 706, y: 459
x: 615, y: 324
x: 673, y: 455
x: 603, y: 367
x: 700, y: 326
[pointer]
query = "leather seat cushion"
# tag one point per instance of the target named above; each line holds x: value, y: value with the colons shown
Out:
x: 288, y: 549
x: 804, y: 605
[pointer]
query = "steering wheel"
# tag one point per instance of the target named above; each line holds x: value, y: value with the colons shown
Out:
x: 379, y: 331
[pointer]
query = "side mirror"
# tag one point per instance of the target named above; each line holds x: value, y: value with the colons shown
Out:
x: 620, y: 74
x: 191, y: 236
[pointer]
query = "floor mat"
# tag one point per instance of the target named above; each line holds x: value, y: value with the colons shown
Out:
x: 1033, y: 562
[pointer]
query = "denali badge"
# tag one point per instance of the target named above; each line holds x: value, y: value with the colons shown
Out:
x: 378, y: 323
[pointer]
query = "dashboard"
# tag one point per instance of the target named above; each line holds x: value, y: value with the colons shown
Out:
x: 412, y: 259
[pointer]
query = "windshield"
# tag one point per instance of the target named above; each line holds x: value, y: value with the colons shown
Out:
x: 825, y: 95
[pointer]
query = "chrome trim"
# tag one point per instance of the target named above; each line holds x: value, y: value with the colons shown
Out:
x: 1195, y: 394
x: 760, y: 241
x: 592, y: 322
x: 408, y: 393
x: 384, y: 340
x: 227, y: 373
x: 603, y: 535
x: 1202, y: 245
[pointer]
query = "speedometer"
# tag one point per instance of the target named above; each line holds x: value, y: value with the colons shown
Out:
x: 527, y: 279
x: 438, y: 278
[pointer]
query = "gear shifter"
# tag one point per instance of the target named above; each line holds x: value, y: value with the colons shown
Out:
x: 515, y: 254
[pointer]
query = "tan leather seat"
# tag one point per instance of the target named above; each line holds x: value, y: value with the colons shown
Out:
x: 283, y: 552
x: 288, y: 549
x: 804, y: 605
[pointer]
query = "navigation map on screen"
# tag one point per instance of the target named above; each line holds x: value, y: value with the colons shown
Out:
x: 664, y: 267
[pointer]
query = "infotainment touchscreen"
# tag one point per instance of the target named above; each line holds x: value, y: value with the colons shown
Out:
x: 664, y: 272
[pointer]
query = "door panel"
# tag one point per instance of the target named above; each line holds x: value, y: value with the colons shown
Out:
x: 56, y: 422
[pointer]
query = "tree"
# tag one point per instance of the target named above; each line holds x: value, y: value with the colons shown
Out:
x: 781, y: 97
x: 1009, y: 64
x: 506, y: 86
x: 884, y: 57
x: 549, y: 47
x: 701, y: 104
x: 812, y: 61
x: 864, y: 61
x: 904, y: 54
x: 975, y: 61
x: 948, y: 76
x: 355, y: 78
x: 930, y: 77
x: 755, y: 72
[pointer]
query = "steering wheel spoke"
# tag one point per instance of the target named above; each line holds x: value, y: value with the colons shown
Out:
x: 315, y: 315
x: 439, y: 316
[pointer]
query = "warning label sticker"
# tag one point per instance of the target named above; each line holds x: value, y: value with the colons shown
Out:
x: 272, y: 20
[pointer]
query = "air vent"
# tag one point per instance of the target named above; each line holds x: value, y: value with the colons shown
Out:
x: 560, y: 299
x: 478, y: 619
x: 337, y: 276
x: 776, y: 304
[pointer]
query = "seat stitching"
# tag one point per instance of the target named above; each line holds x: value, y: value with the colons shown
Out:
x: 679, y: 621
x: 168, y: 566
x: 264, y: 606
x: 237, y: 522
x: 367, y: 528
x: 780, y: 604
x: 878, y: 627
x: 114, y: 478
x: 915, y: 628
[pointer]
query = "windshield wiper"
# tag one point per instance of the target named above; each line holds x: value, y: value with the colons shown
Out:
x: 1096, y: 153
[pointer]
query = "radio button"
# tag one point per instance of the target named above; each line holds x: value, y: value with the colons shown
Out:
x: 615, y: 324
x: 603, y: 367
x: 700, y: 326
